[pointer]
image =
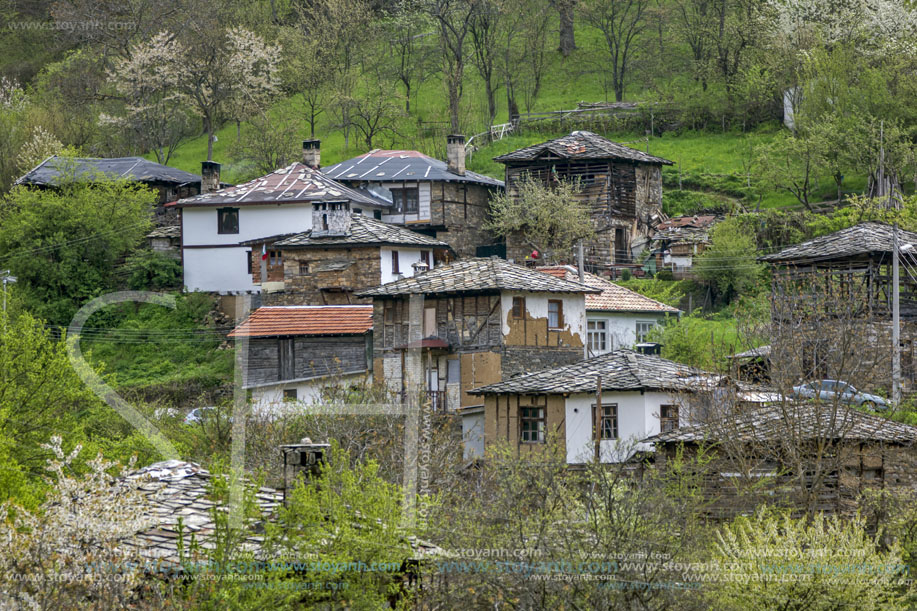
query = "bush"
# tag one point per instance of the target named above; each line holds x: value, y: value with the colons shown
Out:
x: 153, y: 271
x: 665, y: 275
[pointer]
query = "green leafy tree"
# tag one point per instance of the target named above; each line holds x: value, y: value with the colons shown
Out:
x: 728, y: 265
x: 64, y: 244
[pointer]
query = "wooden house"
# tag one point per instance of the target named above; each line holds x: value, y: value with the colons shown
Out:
x: 326, y: 267
x: 617, y: 317
x: 622, y: 185
x: 679, y: 239
x: 474, y: 322
x: 295, y: 352
x: 441, y: 199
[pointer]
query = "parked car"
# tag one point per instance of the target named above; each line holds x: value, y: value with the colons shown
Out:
x: 828, y: 390
x: 198, y: 414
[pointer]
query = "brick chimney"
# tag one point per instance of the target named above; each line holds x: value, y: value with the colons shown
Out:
x: 210, y: 176
x: 455, y: 153
x: 312, y: 153
x: 304, y: 458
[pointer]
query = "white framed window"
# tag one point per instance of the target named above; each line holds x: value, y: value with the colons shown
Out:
x: 531, y: 424
x: 643, y: 329
x: 597, y: 333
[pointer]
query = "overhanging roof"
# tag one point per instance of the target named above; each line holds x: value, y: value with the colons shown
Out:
x: 52, y: 170
x: 580, y: 145
x: 278, y: 321
x: 402, y: 166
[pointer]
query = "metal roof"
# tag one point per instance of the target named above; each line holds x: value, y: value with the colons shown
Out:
x: 295, y: 183
x: 50, y: 171
x: 476, y: 275
x: 802, y: 420
x: 580, y: 145
x: 613, y: 298
x: 274, y: 321
x: 865, y: 239
x: 363, y: 231
x: 620, y: 370
x: 402, y: 166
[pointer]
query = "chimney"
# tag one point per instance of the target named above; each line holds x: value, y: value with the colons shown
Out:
x: 331, y: 219
x: 312, y: 153
x: 304, y: 458
x: 455, y: 153
x: 210, y: 176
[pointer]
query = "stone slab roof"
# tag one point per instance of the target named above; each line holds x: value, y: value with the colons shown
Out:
x: 363, y: 231
x: 613, y: 298
x: 402, y: 166
x: 580, y: 145
x: 50, y: 171
x: 806, y: 420
x: 621, y: 370
x: 295, y: 183
x: 477, y: 275
x: 865, y: 239
x: 169, y: 231
x: 760, y: 351
x: 274, y: 321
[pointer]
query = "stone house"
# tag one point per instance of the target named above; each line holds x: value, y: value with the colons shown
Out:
x: 622, y: 185
x: 751, y: 460
x: 294, y: 352
x: 641, y: 395
x: 325, y: 267
x: 474, y: 322
x: 617, y: 317
x: 440, y: 199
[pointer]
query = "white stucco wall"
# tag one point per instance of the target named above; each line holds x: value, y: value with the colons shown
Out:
x: 621, y: 327
x: 638, y: 418
x: 269, y: 399
x: 223, y: 270
x: 407, y: 257
x: 536, y: 304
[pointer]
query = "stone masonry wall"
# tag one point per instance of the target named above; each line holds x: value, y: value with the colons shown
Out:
x: 342, y: 270
x: 463, y: 209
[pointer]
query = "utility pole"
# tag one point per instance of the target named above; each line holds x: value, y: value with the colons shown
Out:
x: 597, y: 417
x: 896, y: 324
x: 7, y: 279
x: 579, y: 261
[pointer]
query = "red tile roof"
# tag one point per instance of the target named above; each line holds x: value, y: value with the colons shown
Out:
x: 306, y: 320
x: 613, y: 298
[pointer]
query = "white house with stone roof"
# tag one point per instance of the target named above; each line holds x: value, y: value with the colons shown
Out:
x: 617, y: 317
x: 215, y: 223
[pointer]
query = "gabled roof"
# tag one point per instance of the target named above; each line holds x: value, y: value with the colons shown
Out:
x: 275, y: 321
x: 580, y: 145
x: 868, y: 238
x: 613, y: 298
x: 363, y: 231
x: 621, y: 370
x: 396, y: 166
x: 50, y: 171
x: 805, y: 420
x: 295, y: 183
x: 476, y: 275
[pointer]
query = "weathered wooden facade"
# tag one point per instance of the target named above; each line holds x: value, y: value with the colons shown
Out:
x: 440, y: 199
x: 622, y: 185
x: 294, y: 352
x: 475, y: 322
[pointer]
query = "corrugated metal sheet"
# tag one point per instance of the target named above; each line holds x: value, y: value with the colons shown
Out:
x: 401, y: 166
x: 50, y: 171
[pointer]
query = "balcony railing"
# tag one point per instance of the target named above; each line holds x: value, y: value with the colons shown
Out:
x: 435, y: 398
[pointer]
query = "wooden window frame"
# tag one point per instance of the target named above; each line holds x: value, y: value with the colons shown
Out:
x: 249, y: 266
x: 532, y: 414
x: 609, y: 416
x: 290, y: 394
x: 668, y: 421
x: 275, y: 258
x: 518, y: 308
x: 560, y: 314
x: 396, y: 268
x: 303, y: 268
x: 425, y: 257
x: 400, y: 199
x: 221, y: 212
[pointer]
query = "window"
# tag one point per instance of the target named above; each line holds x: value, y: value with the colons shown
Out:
x: 429, y: 322
x: 518, y: 307
x: 453, y: 371
x: 289, y: 394
x: 389, y: 312
x: 609, y: 422
x: 406, y: 200
x: 227, y: 220
x: 598, y: 338
x: 395, y: 268
x: 248, y: 255
x: 643, y: 329
x: 358, y: 211
x: 425, y: 257
x: 668, y: 418
x: 275, y: 257
x: 285, y: 359
x: 555, y: 314
x: 377, y: 214
x: 303, y: 268
x: 532, y: 422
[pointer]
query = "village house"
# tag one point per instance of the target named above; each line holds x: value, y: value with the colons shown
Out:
x: 617, y: 317
x: 641, y: 395
x: 622, y: 185
x: 217, y: 222
x: 754, y: 456
x: 169, y: 183
x: 474, y: 322
x: 440, y: 199
x: 357, y: 252
x: 840, y: 286
x: 679, y: 239
x: 295, y: 352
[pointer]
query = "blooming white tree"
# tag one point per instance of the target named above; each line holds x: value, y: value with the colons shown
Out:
x: 253, y: 66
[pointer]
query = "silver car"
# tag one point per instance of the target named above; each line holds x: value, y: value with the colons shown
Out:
x: 829, y: 390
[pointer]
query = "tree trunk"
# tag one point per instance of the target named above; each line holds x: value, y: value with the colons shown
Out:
x: 208, y: 127
x: 567, y: 42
